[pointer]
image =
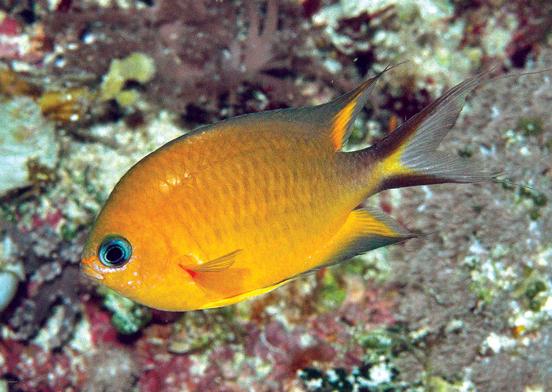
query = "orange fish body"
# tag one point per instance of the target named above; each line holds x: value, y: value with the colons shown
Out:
x: 236, y: 209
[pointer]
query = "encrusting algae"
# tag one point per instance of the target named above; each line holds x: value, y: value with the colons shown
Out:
x: 238, y: 208
x: 136, y: 67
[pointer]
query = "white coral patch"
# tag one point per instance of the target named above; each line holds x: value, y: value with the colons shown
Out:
x: 380, y: 374
x: 26, y: 138
x: 496, y: 343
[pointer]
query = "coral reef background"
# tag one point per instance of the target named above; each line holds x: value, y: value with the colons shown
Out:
x: 88, y: 88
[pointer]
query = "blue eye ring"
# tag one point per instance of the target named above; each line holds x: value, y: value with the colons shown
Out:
x: 114, y: 251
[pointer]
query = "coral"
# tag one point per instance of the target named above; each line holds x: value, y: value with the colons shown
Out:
x: 376, y: 33
x: 19, y: 41
x: 377, y: 372
x: 440, y: 41
x: 51, y: 280
x: 28, y: 147
x: 8, y: 287
x: 532, y: 29
x: 11, y: 272
x: 111, y: 370
x: 11, y: 84
x: 64, y: 106
x: 527, y: 369
x: 32, y: 313
x: 34, y: 369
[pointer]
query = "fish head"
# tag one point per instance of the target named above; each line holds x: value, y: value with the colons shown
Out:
x: 129, y: 250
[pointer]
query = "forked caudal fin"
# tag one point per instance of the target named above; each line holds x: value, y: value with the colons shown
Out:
x: 408, y: 155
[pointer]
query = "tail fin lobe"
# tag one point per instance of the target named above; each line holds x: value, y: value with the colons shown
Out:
x: 408, y: 155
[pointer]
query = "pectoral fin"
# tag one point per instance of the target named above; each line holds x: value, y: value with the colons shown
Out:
x: 216, y: 277
x: 219, y: 264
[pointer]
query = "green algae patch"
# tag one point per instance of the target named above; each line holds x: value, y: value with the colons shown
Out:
x: 439, y: 384
x: 532, y: 290
x: 530, y: 126
x: 333, y: 292
x: 379, y: 341
x: 374, y: 266
x: 128, y: 317
x: 534, y: 199
x: 198, y: 332
x: 465, y: 152
x: 490, y: 276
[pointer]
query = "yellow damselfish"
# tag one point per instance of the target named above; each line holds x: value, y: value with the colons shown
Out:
x: 238, y: 208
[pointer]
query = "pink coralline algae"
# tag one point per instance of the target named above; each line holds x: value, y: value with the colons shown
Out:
x: 37, y: 369
x: 16, y: 44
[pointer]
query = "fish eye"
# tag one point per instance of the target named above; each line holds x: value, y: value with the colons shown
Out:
x: 114, y: 251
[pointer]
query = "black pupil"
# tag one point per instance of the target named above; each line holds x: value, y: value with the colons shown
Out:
x: 114, y: 254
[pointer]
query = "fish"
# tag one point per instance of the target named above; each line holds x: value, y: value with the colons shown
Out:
x: 238, y: 208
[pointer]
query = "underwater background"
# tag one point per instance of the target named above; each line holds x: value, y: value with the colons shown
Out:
x: 89, y: 87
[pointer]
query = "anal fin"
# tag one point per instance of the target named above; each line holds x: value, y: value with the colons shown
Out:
x: 242, y: 296
x: 364, y: 230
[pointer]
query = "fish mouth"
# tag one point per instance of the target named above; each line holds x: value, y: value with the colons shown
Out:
x: 91, y: 272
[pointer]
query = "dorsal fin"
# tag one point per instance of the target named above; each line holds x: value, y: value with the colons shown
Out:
x: 343, y: 110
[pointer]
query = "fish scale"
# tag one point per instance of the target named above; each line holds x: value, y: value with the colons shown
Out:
x: 273, y: 199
